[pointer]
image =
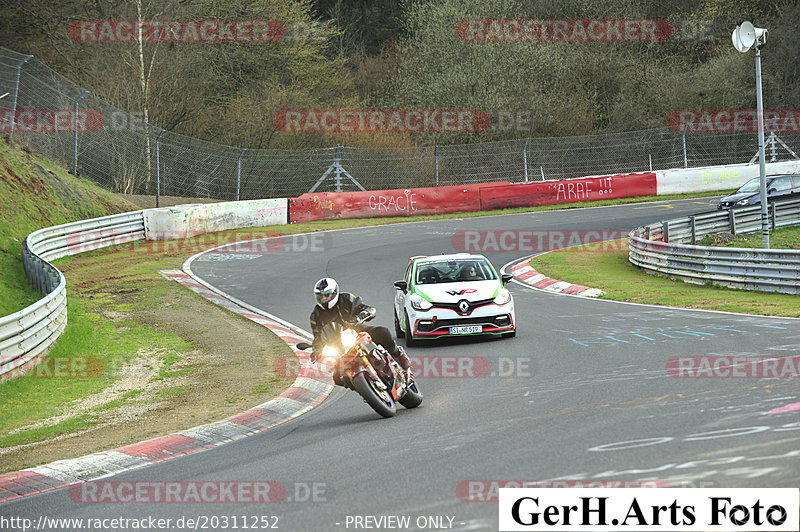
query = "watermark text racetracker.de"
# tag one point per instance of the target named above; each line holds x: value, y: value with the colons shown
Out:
x: 199, y: 492
x: 489, y: 490
x: 428, y: 367
x: 51, y: 121
x: 243, y: 243
x: 517, y: 240
x: 381, y: 121
x: 564, y: 30
x: 62, y: 367
x: 733, y: 121
x: 176, y: 31
x: 734, y: 367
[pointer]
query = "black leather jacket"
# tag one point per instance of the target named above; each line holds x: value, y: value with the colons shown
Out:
x: 346, y: 310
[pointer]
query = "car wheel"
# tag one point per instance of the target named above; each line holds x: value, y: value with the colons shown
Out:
x: 398, y: 332
x: 410, y: 341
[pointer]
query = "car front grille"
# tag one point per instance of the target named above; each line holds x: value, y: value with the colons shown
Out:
x: 503, y: 320
x: 472, y: 305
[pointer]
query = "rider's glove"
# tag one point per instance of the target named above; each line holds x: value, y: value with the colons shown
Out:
x: 363, y: 315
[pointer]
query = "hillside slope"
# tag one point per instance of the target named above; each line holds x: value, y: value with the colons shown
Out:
x: 35, y: 193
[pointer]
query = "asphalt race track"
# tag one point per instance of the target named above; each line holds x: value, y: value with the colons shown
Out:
x: 581, y: 393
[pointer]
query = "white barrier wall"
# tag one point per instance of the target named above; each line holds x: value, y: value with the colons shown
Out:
x: 184, y: 221
x: 713, y: 178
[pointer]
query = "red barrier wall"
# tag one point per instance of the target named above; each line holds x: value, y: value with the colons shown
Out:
x: 387, y: 203
x: 466, y: 198
x: 568, y: 191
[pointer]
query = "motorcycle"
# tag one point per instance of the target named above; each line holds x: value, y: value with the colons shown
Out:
x: 367, y: 368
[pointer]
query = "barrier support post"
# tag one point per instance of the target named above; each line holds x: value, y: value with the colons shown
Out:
x: 773, y: 217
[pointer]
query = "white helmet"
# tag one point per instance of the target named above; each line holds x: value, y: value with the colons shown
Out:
x: 326, y: 291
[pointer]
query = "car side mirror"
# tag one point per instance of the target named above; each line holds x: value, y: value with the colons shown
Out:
x: 401, y: 285
x: 506, y: 277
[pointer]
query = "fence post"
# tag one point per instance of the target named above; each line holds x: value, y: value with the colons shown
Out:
x: 75, y: 130
x: 650, y: 156
x: 239, y: 172
x: 158, y: 169
x: 665, y: 231
x: 16, y: 93
x: 773, y: 147
x: 541, y: 169
x: 732, y: 220
x: 337, y: 162
x: 694, y: 230
x: 525, y: 159
x: 683, y: 142
x: 436, y: 162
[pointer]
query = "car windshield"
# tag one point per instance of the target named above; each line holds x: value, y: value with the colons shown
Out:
x: 751, y: 186
x: 778, y: 183
x: 453, y: 271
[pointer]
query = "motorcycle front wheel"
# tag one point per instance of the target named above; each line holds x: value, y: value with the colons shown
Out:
x: 413, y: 396
x: 379, y: 400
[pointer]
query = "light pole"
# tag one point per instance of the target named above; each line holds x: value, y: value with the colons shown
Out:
x: 745, y: 37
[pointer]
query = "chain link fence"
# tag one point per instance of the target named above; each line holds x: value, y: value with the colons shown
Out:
x: 122, y: 153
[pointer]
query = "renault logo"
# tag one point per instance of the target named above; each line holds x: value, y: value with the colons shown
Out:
x: 463, y: 306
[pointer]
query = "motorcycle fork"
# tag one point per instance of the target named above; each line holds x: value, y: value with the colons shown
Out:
x: 371, y: 370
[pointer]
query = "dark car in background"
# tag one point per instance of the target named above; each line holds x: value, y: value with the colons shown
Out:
x: 750, y: 192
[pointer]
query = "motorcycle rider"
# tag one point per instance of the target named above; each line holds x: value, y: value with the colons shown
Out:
x: 346, y: 308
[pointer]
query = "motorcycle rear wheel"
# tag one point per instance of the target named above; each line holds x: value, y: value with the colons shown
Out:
x: 372, y: 396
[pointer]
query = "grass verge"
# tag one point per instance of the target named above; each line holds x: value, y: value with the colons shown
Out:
x: 36, y: 193
x: 607, y: 267
x: 783, y: 238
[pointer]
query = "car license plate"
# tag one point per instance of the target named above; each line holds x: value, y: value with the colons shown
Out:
x: 467, y: 329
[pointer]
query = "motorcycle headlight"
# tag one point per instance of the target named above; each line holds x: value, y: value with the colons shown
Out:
x: 349, y: 337
x: 503, y: 298
x: 420, y: 303
x: 329, y: 352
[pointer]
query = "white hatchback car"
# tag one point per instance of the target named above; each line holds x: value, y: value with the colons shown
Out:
x: 452, y: 295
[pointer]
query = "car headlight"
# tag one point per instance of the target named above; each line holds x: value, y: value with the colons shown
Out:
x: 420, y: 303
x: 349, y: 338
x: 742, y: 201
x: 503, y: 298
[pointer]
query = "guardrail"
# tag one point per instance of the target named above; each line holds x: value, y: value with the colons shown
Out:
x: 663, y: 248
x: 26, y: 334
